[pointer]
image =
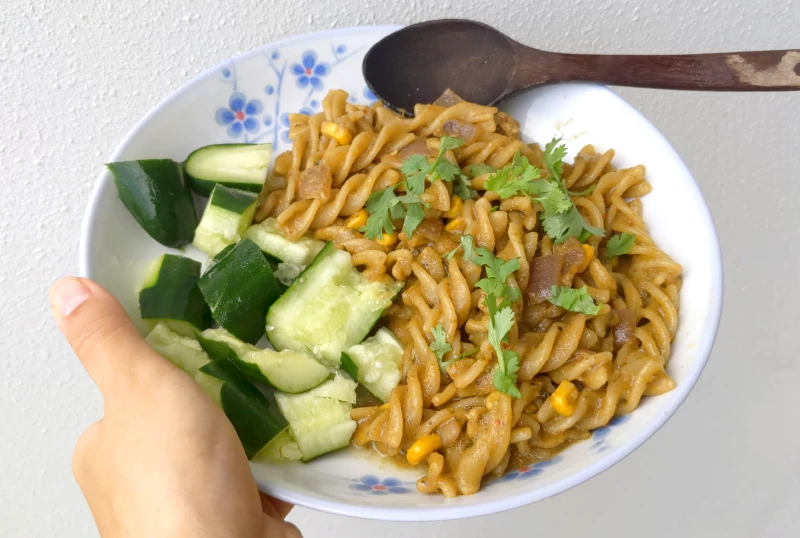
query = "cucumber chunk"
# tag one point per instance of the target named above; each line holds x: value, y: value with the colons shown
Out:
x: 282, y: 447
x: 170, y: 295
x: 156, y: 194
x: 228, y: 214
x: 319, y: 420
x: 294, y: 256
x: 287, y: 371
x: 240, y: 287
x: 376, y: 362
x: 240, y: 166
x: 329, y: 308
x: 255, y: 418
x: 182, y: 351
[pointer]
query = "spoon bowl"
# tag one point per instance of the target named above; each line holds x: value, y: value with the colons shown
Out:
x: 418, y: 63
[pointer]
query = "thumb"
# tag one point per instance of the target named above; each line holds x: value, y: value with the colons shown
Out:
x: 102, y: 334
x: 276, y: 528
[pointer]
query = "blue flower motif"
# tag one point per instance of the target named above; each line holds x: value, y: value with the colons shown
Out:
x: 369, y: 96
x: 530, y: 470
x: 314, y: 103
x: 226, y: 72
x: 309, y: 72
x: 275, y: 55
x: 599, y: 442
x: 240, y: 115
x: 267, y: 120
x: 269, y: 89
x: 375, y: 486
x: 341, y: 49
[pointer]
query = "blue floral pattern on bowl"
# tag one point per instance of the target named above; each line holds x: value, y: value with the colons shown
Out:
x: 533, y: 469
x: 600, y: 436
x: 309, y: 71
x: 375, y: 486
x: 240, y: 115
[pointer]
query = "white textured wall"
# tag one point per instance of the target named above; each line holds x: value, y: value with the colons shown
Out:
x: 76, y: 74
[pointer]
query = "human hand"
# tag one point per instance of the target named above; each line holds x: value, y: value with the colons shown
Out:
x: 164, y: 461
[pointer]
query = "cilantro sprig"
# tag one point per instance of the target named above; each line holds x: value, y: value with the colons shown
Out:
x: 440, y: 347
x: 620, y: 244
x: 386, y: 206
x: 500, y: 323
x: 501, y: 315
x: 574, y: 300
x: 561, y: 218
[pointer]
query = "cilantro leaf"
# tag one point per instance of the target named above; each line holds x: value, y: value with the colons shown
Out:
x: 441, y: 347
x: 441, y: 168
x: 620, y: 244
x: 479, y: 169
x: 379, y: 205
x: 574, y: 300
x: 554, y: 158
x: 415, y: 166
x: 562, y: 226
x: 518, y: 177
x: 505, y: 381
x: 466, y: 243
x: 552, y: 198
x: 414, y: 215
x: 463, y: 188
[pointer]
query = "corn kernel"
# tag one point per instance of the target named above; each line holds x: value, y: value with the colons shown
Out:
x: 387, y: 240
x: 565, y: 399
x: 357, y: 220
x: 422, y: 448
x: 337, y: 132
x: 457, y: 223
x: 455, y: 208
x: 385, y: 406
x: 587, y: 258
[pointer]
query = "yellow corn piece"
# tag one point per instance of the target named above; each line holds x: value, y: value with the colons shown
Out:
x: 337, y: 132
x: 385, y: 406
x: 455, y: 208
x: 589, y: 256
x: 357, y: 220
x: 457, y: 223
x: 387, y: 240
x: 565, y: 399
x: 422, y: 448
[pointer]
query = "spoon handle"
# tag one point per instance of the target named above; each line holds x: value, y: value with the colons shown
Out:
x: 736, y: 71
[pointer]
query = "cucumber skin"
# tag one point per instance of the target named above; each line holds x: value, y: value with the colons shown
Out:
x: 256, y: 420
x: 175, y: 297
x: 222, y: 351
x: 248, y: 269
x: 349, y: 366
x: 203, y: 187
x: 156, y: 194
x: 232, y: 199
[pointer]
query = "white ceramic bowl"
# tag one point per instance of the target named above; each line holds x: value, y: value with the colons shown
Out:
x: 295, y: 73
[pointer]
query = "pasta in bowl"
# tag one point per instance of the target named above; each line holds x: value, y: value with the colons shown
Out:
x: 518, y: 338
x: 447, y: 367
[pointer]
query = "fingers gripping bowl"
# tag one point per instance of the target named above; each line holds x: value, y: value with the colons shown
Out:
x: 248, y: 100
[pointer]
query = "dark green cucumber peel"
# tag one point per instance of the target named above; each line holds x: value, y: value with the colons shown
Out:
x: 156, y: 194
x: 222, y: 351
x: 174, y: 295
x: 234, y: 200
x: 256, y: 420
x: 232, y: 165
x: 350, y: 367
x: 240, y: 287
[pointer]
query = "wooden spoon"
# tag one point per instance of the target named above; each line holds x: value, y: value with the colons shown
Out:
x: 417, y: 63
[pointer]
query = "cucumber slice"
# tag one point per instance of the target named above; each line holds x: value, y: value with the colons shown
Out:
x: 295, y: 256
x: 240, y: 166
x: 320, y: 419
x: 156, y: 194
x: 240, y: 287
x: 256, y: 420
x: 183, y: 352
x: 329, y: 308
x: 283, y: 447
x: 170, y: 296
x: 287, y: 371
x: 376, y: 362
x: 228, y: 214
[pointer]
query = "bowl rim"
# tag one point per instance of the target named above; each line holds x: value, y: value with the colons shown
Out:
x: 442, y: 513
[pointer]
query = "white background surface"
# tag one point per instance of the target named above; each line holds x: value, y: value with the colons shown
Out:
x: 75, y: 75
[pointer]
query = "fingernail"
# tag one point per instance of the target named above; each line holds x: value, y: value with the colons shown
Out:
x: 67, y: 294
